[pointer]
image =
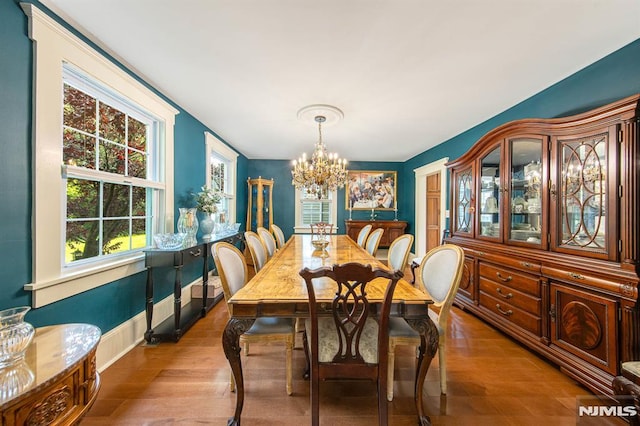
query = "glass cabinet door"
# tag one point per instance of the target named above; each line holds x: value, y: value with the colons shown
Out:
x: 463, y: 221
x: 582, y: 195
x: 490, y: 200
x: 525, y: 191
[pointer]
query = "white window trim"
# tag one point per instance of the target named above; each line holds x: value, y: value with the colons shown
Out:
x: 213, y: 144
x: 421, y: 201
x: 54, y: 45
x: 306, y: 229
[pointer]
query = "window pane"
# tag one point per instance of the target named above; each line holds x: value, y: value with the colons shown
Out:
x: 218, y: 175
x: 115, y: 200
x: 82, y: 199
x: 82, y: 240
x: 116, y: 236
x: 112, y: 124
x: 139, y: 201
x: 79, y: 110
x: 111, y: 158
x: 137, y: 166
x: 139, y: 236
x: 137, y: 134
x: 78, y: 149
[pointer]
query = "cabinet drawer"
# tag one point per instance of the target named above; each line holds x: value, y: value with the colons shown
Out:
x: 508, y: 312
x: 516, y: 280
x: 511, y: 296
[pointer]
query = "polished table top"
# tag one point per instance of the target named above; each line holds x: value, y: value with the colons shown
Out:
x: 279, y: 280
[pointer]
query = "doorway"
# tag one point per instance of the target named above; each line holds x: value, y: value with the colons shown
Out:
x: 433, y: 210
x: 430, y: 204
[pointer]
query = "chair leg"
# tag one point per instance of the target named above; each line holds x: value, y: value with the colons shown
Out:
x: 307, y: 368
x: 390, y: 367
x: 315, y: 401
x: 443, y: 367
x: 289, y: 364
x: 383, y: 408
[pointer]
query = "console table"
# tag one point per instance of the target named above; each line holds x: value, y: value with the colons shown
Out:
x: 57, y: 382
x: 183, y: 316
x: 392, y: 229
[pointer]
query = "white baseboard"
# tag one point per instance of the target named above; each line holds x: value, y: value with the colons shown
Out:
x: 120, y: 340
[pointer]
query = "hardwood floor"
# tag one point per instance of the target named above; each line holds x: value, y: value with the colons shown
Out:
x: 491, y: 381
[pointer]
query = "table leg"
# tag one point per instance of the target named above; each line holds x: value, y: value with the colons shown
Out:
x: 205, y: 282
x: 177, y: 303
x: 413, y: 267
x: 428, y: 349
x: 149, y: 306
x: 231, y: 346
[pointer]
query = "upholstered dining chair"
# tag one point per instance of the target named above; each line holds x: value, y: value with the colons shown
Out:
x: 399, y: 252
x: 374, y: 241
x: 440, y: 273
x: 279, y: 235
x: 350, y: 343
x: 268, y: 241
x: 257, y: 250
x: 233, y: 272
x: 363, y: 234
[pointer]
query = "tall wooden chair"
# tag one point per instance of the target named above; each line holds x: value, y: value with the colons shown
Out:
x: 352, y: 342
x: 233, y: 272
x: 321, y: 228
x: 439, y: 273
x: 374, y: 241
x: 363, y: 234
x: 268, y: 241
x: 279, y: 235
x: 258, y: 251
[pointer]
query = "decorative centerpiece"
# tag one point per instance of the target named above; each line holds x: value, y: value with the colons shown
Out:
x: 207, y: 202
x: 15, y: 335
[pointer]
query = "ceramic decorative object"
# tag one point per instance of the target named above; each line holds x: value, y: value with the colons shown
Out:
x: 207, y: 225
x: 188, y: 224
x: 15, y: 335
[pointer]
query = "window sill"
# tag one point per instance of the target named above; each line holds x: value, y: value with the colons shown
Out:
x: 67, y: 285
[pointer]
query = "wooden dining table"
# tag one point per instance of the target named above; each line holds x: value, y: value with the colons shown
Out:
x: 278, y: 290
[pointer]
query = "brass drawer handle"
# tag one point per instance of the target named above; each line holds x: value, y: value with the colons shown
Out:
x: 575, y: 276
x: 196, y: 253
x: 506, y: 313
x: 506, y: 280
x: 506, y: 296
x: 526, y: 264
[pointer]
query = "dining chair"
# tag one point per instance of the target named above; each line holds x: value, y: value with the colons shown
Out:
x: 321, y: 228
x: 279, y: 235
x: 352, y: 342
x: 439, y: 273
x: 257, y: 250
x: 373, y: 241
x: 399, y: 252
x: 232, y: 268
x: 268, y: 241
x: 363, y: 234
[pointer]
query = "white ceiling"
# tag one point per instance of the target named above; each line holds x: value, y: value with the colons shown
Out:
x: 408, y: 74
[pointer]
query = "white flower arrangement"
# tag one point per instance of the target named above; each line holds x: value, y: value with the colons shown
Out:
x: 207, y: 200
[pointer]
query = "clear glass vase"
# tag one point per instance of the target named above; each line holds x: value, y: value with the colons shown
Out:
x: 15, y: 335
x: 188, y: 225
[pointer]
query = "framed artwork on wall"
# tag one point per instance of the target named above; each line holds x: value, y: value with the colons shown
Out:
x: 366, y: 190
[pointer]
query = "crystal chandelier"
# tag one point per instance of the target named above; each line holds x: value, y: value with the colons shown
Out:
x: 324, y: 173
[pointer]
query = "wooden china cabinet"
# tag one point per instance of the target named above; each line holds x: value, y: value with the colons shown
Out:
x: 547, y: 211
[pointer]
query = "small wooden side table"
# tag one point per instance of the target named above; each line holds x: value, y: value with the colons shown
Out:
x: 57, y: 382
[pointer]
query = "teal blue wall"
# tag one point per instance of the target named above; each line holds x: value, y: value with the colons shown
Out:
x: 108, y: 305
x: 284, y: 194
x: 611, y: 78
x: 614, y: 77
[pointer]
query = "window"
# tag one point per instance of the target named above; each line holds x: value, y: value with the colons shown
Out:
x: 221, y: 175
x: 103, y: 166
x: 109, y: 156
x: 310, y: 210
